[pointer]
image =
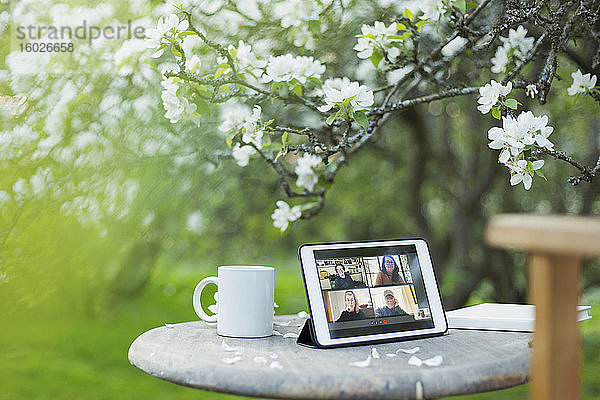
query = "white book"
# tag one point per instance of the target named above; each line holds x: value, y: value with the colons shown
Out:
x: 500, y: 317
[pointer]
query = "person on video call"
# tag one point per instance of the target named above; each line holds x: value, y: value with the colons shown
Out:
x: 391, y: 308
x: 342, y: 280
x: 352, y: 311
x: 389, y: 273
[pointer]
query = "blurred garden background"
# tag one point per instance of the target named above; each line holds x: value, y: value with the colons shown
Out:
x: 110, y: 214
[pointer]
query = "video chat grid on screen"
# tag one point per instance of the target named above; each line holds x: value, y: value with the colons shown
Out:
x: 383, y: 305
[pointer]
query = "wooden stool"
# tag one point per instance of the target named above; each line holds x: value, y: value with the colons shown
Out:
x: 557, y: 245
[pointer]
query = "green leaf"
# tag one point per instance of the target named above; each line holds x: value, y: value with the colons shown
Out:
x: 471, y: 4
x: 540, y: 173
x: 202, y: 107
x: 376, y: 57
x: 511, y: 103
x: 201, y: 90
x: 279, y: 154
x: 422, y: 23
x: 285, y: 143
x: 496, y: 113
x: 284, y: 90
x: 229, y: 140
x: 308, y: 206
x: 220, y: 72
x: 408, y: 14
x: 530, y: 167
x: 348, y: 100
x: 186, y: 33
x: 276, y: 85
x: 175, y: 51
x: 331, y: 118
x: 315, y: 81
x: 314, y: 26
x: 461, y: 5
x: 297, y: 89
x: 361, y: 118
x: 400, y: 27
x: 162, y: 46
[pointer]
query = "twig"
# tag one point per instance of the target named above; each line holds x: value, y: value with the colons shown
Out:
x: 587, y: 174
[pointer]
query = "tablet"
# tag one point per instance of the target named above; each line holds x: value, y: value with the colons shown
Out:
x: 363, y: 292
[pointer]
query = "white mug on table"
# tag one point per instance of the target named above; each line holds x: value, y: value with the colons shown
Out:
x: 245, y: 301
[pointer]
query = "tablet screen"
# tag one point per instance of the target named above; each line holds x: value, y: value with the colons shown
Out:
x: 373, y: 290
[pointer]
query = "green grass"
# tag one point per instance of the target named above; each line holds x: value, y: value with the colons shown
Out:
x: 49, y: 352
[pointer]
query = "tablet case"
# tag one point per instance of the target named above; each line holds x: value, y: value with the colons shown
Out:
x: 307, y: 335
x: 307, y: 338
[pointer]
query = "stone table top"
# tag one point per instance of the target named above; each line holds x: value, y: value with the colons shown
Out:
x: 192, y: 354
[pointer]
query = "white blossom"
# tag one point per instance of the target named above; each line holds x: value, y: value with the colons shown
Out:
x: 378, y: 37
x: 518, y: 39
x: 283, y: 215
x: 20, y: 189
x: 242, y: 154
x: 281, y: 69
x: 490, y: 93
x: 500, y: 60
x: 165, y: 32
x: 128, y: 55
x: 251, y: 128
x: 537, y: 128
x: 435, y: 361
x: 338, y: 90
x: 4, y: 196
x: 454, y: 46
x: 303, y: 38
x: 516, y: 133
x: 432, y: 9
x: 531, y: 90
x: 238, y: 118
x: 195, y: 222
x: 361, y: 363
x: 305, y: 169
x: 397, y: 74
x: 176, y: 105
x: 287, y: 67
x: 235, y: 115
x: 245, y: 60
x: 581, y: 83
x: 295, y: 12
x: 192, y: 63
x: 514, y: 48
x: 307, y: 67
x: 520, y: 172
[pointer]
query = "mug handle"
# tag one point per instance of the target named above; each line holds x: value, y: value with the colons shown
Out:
x: 196, y: 299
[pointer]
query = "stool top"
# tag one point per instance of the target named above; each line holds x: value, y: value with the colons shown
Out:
x: 552, y: 234
x: 192, y: 354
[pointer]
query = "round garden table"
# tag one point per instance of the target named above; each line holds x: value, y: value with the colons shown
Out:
x: 192, y: 354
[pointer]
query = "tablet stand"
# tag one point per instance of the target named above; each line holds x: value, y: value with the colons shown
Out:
x: 307, y: 335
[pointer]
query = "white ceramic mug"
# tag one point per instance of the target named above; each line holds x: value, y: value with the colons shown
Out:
x: 244, y: 301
